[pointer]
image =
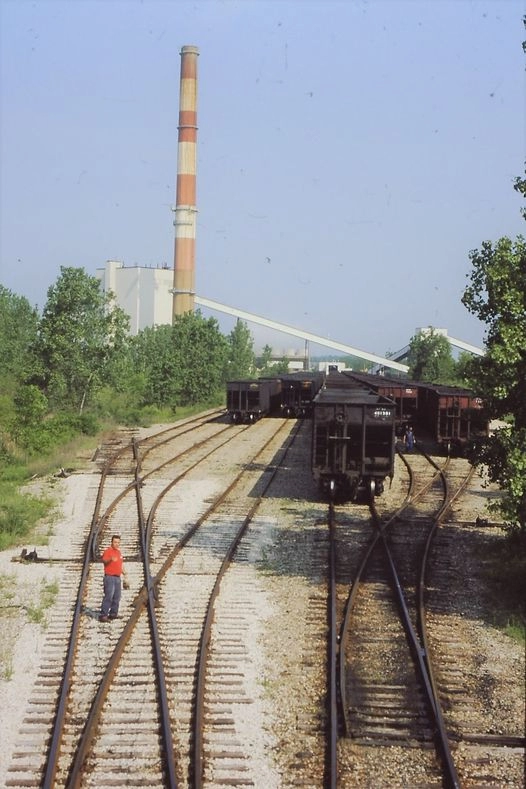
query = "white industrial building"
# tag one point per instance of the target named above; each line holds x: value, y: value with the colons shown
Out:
x: 144, y: 293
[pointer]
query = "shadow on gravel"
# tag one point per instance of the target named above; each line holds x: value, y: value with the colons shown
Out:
x: 91, y: 612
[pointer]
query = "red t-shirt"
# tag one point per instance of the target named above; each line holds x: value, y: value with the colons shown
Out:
x: 112, y: 568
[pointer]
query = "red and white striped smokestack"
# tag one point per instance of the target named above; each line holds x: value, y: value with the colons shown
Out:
x: 185, y: 201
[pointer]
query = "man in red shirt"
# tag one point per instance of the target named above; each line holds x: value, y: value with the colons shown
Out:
x: 113, y: 570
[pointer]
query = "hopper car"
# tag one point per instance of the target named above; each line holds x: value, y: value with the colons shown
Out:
x: 448, y: 416
x: 251, y: 399
x: 291, y: 394
x: 404, y: 393
x: 353, y: 438
x: 453, y: 417
x: 298, y: 391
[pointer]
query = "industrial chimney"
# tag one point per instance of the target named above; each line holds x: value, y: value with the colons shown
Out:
x: 185, y: 201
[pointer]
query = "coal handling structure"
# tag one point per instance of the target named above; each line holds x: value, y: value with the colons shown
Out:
x: 353, y: 440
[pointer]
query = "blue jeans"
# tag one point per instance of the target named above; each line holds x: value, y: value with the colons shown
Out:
x: 112, y: 595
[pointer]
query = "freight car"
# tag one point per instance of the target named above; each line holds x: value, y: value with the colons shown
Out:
x: 298, y: 390
x: 453, y: 417
x: 249, y: 400
x: 291, y: 394
x: 404, y: 393
x: 353, y: 437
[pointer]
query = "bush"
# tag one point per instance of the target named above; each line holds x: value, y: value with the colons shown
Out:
x: 19, y: 512
x: 42, y: 437
x: 506, y: 576
x: 88, y: 424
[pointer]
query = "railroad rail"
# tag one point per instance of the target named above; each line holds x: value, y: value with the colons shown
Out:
x: 408, y: 702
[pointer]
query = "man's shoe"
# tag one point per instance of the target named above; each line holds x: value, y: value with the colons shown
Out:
x: 103, y: 618
x: 113, y: 616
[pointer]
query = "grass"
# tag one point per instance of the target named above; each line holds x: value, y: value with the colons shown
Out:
x: 13, y: 608
x: 21, y: 512
x: 515, y: 629
x: 37, y: 612
x: 505, y: 572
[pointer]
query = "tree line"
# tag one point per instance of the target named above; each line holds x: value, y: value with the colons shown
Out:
x: 76, y: 364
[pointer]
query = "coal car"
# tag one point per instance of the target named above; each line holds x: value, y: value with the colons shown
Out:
x: 298, y: 390
x: 248, y: 400
x: 353, y: 439
x: 453, y: 417
x: 403, y: 392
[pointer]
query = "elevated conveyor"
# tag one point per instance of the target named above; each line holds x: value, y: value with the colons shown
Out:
x: 304, y: 335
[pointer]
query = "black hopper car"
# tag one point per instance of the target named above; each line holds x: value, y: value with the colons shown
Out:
x: 289, y: 395
x: 353, y: 438
x: 404, y: 393
x: 249, y: 400
x: 298, y: 391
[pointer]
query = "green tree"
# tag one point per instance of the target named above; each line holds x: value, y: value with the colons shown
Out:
x: 430, y: 358
x: 497, y: 296
x: 18, y: 331
x: 280, y: 367
x: 241, y: 359
x: 265, y: 360
x: 155, y: 360
x: 183, y: 364
x: 201, y: 353
x: 81, y: 330
x: 267, y: 367
x: 520, y: 186
x: 462, y: 369
x: 29, y: 418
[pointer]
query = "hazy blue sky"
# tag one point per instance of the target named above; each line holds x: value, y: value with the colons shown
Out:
x: 350, y: 154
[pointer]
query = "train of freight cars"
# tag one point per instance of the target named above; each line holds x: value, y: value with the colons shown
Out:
x: 353, y: 427
x: 289, y: 395
x: 450, y: 417
x: 356, y: 419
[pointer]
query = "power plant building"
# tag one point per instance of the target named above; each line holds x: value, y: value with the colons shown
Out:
x: 144, y: 293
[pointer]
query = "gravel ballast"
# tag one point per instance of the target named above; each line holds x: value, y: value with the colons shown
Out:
x: 290, y: 677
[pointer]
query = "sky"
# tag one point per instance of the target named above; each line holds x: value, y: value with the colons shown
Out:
x: 350, y: 154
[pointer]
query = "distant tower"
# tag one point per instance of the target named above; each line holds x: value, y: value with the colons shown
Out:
x: 185, y: 202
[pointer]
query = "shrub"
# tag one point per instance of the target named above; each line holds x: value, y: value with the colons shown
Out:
x: 19, y: 512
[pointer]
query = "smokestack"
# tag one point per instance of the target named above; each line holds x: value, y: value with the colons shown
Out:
x: 185, y: 202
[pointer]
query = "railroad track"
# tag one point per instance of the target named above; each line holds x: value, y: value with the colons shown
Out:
x: 483, y: 751
x: 165, y: 496
x: 394, y: 687
x: 387, y: 694
x: 107, y: 716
